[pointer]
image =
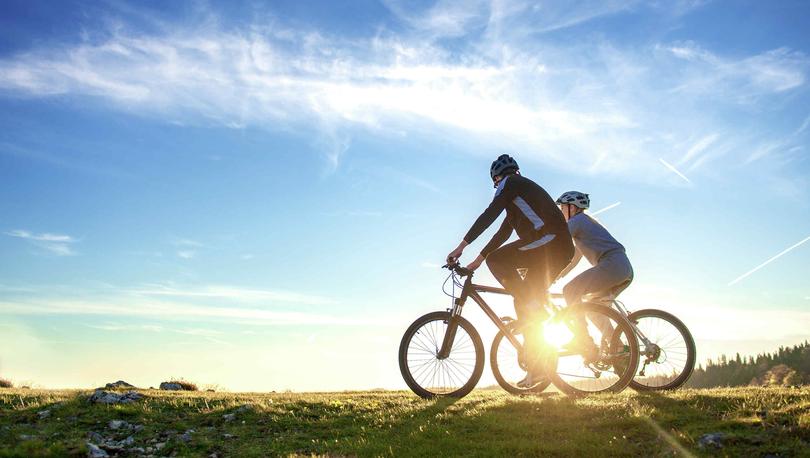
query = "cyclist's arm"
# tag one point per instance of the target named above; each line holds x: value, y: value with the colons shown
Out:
x: 574, y: 261
x: 489, y: 215
x: 498, y: 239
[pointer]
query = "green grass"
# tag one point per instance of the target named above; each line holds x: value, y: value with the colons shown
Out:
x: 755, y: 421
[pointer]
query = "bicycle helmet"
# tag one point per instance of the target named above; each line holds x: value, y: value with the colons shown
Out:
x: 503, y: 164
x: 576, y: 198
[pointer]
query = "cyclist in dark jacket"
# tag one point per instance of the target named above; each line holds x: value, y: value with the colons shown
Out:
x: 543, y: 249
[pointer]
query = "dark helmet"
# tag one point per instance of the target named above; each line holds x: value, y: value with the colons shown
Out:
x: 503, y: 164
x: 576, y: 198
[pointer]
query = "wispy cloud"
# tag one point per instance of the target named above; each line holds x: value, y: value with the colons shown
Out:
x: 500, y: 90
x: 57, y: 244
x: 231, y: 292
x: 787, y: 250
x: 168, y: 310
x: 188, y: 247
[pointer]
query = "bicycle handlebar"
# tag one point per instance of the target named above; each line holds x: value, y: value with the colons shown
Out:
x: 461, y: 271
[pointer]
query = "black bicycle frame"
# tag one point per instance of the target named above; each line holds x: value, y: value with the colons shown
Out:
x: 471, y: 290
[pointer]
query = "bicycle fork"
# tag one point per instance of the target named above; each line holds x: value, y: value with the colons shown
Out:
x: 452, y: 327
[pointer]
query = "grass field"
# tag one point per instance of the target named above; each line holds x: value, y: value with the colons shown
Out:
x: 754, y: 422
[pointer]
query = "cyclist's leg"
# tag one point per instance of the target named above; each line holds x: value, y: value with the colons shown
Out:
x: 503, y: 263
x: 606, y: 276
x: 544, y: 262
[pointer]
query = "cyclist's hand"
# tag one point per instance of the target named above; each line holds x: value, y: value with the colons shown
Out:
x: 476, y: 264
x: 454, y: 255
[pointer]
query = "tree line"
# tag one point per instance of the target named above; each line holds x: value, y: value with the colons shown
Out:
x: 789, y: 366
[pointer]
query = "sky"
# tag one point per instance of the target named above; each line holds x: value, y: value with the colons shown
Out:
x: 259, y: 196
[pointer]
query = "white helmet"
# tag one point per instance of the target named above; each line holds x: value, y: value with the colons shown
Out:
x: 576, y: 198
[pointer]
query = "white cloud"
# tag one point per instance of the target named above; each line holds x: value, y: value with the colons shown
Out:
x: 507, y: 88
x: 233, y: 293
x: 57, y: 244
x: 157, y: 309
x: 186, y: 254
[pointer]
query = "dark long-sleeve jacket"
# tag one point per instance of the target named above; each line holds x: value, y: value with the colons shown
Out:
x: 530, y: 211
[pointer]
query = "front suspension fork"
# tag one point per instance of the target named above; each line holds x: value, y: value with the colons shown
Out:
x: 452, y: 327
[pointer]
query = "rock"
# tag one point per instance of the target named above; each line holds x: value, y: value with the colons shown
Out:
x: 229, y: 416
x: 118, y: 384
x: 714, y: 440
x: 129, y: 441
x: 118, y: 424
x: 228, y: 436
x: 95, y: 437
x: 186, y: 436
x: 170, y: 386
x: 160, y: 445
x: 44, y: 414
x: 112, y: 446
x: 93, y: 451
x: 106, y: 397
x: 244, y: 408
x: 27, y: 437
x: 137, y: 450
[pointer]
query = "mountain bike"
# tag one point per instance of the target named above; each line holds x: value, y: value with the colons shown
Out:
x: 441, y: 353
x: 666, y: 348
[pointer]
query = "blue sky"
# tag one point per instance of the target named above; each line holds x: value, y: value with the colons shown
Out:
x: 259, y: 196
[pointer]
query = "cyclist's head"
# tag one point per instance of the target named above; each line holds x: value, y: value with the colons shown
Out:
x: 573, y: 202
x: 504, y: 166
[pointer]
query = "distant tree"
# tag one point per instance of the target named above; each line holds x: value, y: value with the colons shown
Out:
x: 792, y: 378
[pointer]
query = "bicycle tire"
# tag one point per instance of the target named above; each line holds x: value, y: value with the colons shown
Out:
x: 494, y: 356
x: 621, y: 327
x: 427, y: 345
x: 688, y: 344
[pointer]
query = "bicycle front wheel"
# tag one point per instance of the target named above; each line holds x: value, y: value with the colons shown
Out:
x: 429, y: 376
x: 598, y: 351
x: 668, y: 360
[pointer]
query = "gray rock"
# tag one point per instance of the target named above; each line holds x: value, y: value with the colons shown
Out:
x: 169, y: 386
x: 27, y: 437
x: 137, y: 428
x: 244, y: 408
x: 714, y: 440
x: 137, y: 450
x: 106, y: 397
x: 118, y: 424
x: 186, y: 436
x: 229, y: 416
x: 93, y: 451
x: 129, y: 441
x: 112, y: 446
x: 160, y: 445
x: 44, y: 414
x: 118, y: 384
x: 95, y: 437
x: 228, y: 436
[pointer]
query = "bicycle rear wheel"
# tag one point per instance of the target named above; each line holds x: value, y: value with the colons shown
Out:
x: 509, y: 366
x: 668, y: 362
x: 598, y: 351
x: 426, y: 374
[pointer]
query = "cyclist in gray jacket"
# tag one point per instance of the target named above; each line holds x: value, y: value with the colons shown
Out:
x: 611, y: 271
